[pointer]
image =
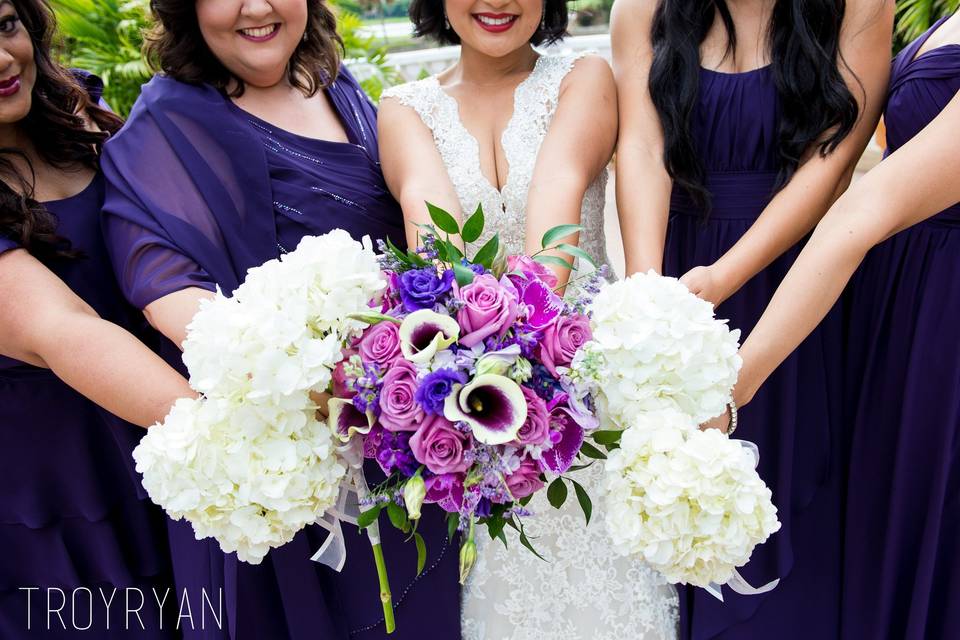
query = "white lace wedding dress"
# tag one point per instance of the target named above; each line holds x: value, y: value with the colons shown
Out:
x: 584, y: 591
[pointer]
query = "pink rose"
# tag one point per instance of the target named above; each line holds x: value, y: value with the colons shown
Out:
x: 440, y: 446
x: 380, y: 344
x: 562, y: 339
x: 489, y: 307
x: 525, y: 480
x: 398, y: 409
x: 446, y: 491
x: 536, y: 428
x: 532, y: 270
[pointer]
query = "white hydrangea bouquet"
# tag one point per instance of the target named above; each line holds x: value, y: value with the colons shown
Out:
x: 248, y: 463
x: 689, y: 502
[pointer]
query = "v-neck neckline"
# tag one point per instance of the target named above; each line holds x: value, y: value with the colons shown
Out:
x: 500, y: 191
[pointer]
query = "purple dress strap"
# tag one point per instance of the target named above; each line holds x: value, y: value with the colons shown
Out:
x: 6, y: 244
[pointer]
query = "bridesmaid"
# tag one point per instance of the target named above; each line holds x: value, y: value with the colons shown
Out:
x: 902, y: 221
x: 740, y: 123
x: 73, y: 526
x: 257, y: 136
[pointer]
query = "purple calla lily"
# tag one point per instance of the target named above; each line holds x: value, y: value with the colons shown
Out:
x: 493, y: 406
x: 425, y: 332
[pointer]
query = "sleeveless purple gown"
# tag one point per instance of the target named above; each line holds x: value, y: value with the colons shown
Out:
x: 223, y: 191
x: 795, y: 417
x: 902, y: 552
x: 71, y: 516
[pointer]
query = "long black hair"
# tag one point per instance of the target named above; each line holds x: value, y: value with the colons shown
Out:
x: 816, y: 106
x: 59, y: 135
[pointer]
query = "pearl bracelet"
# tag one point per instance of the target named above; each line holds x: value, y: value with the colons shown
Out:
x: 733, y: 417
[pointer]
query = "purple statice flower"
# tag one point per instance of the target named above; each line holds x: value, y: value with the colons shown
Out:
x: 422, y: 288
x: 367, y: 389
x: 478, y: 269
x: 394, y: 453
x: 435, y: 387
x: 543, y: 383
x: 429, y: 248
x: 386, y: 259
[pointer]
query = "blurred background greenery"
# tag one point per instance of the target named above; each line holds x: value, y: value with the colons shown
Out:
x: 105, y: 37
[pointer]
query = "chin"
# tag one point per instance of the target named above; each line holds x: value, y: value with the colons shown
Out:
x: 14, y: 113
x: 263, y: 79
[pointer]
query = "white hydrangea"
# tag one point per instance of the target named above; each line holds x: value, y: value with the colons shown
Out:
x: 250, y: 476
x: 248, y: 464
x: 655, y: 345
x: 689, y: 502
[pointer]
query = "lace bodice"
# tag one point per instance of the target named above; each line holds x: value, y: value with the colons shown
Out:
x: 585, y: 591
x: 534, y: 104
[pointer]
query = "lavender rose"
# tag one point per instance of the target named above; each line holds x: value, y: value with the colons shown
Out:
x: 380, y: 344
x: 398, y: 409
x: 421, y: 288
x: 489, y: 307
x: 435, y: 387
x: 440, y: 446
x: 562, y: 339
x: 525, y: 480
x: 536, y: 428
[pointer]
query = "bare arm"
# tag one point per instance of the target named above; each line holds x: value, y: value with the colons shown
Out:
x: 916, y: 182
x: 643, y: 184
x: 171, y: 314
x: 796, y: 209
x: 576, y: 149
x: 50, y: 326
x: 412, y: 166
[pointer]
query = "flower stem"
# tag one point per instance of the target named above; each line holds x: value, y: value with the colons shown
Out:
x: 385, y: 596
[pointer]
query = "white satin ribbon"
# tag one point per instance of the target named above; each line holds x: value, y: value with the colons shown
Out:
x: 737, y: 583
x: 333, y: 551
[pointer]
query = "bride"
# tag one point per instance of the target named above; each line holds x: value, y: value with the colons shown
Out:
x: 528, y: 136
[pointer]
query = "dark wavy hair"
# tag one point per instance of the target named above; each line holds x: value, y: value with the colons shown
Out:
x: 59, y: 134
x: 816, y: 106
x: 430, y: 19
x: 176, y: 47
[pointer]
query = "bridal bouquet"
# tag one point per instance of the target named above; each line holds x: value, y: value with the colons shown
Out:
x: 458, y: 387
x: 689, y: 502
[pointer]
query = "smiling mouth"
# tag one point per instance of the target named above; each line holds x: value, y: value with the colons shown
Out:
x: 260, y: 33
x: 495, y: 22
x: 9, y: 86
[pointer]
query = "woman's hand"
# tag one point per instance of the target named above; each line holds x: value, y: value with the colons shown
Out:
x: 721, y: 422
x: 706, y: 283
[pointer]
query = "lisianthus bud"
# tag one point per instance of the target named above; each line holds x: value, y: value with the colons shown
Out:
x: 468, y: 555
x: 414, y: 491
x: 521, y: 371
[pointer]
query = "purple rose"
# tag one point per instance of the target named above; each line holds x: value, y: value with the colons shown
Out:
x: 393, y: 454
x: 567, y: 436
x: 489, y: 307
x: 446, y: 491
x: 525, y: 480
x: 421, y: 288
x: 532, y: 270
x: 536, y: 428
x: 435, y: 387
x: 380, y: 344
x: 440, y: 446
x: 398, y: 409
x: 562, y: 339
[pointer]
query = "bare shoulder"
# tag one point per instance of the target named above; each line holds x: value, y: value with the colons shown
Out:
x: 633, y: 15
x: 869, y: 14
x: 590, y: 73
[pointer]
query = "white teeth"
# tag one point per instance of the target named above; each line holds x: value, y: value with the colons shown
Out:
x: 259, y: 32
x: 495, y: 22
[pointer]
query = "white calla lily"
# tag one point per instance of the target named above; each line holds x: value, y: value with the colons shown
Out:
x: 423, y: 333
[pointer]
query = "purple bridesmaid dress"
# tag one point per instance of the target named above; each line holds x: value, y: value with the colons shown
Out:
x: 902, y: 552
x: 198, y: 192
x: 71, y: 516
x: 795, y: 417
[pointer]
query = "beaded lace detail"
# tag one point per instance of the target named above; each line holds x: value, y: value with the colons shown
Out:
x: 584, y: 591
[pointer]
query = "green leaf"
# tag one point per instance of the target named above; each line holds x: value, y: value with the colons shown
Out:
x: 554, y: 260
x: 373, y: 317
x: 586, y: 504
x: 453, y: 251
x: 473, y: 227
x: 368, y: 517
x: 488, y: 252
x: 581, y: 467
x: 557, y: 493
x: 397, y: 253
x: 398, y: 516
x: 442, y: 251
x: 416, y: 260
x: 591, y: 451
x: 453, y: 520
x: 495, y: 527
x: 558, y: 232
x: 463, y: 274
x: 525, y: 541
x: 607, y: 437
x: 421, y: 552
x: 525, y: 501
x: 577, y: 252
x: 444, y: 221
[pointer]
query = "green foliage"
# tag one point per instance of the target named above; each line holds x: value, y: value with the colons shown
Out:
x: 368, y: 60
x: 105, y: 38
x: 916, y: 16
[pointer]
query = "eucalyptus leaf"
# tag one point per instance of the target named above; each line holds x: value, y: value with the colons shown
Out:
x: 557, y: 493
x: 421, y: 552
x: 488, y: 252
x: 554, y: 260
x: 607, y: 437
x: 586, y: 504
x: 591, y: 451
x: 558, y: 232
x: 463, y: 274
x: 473, y: 227
x: 577, y: 252
x: 444, y: 221
x: 368, y: 517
